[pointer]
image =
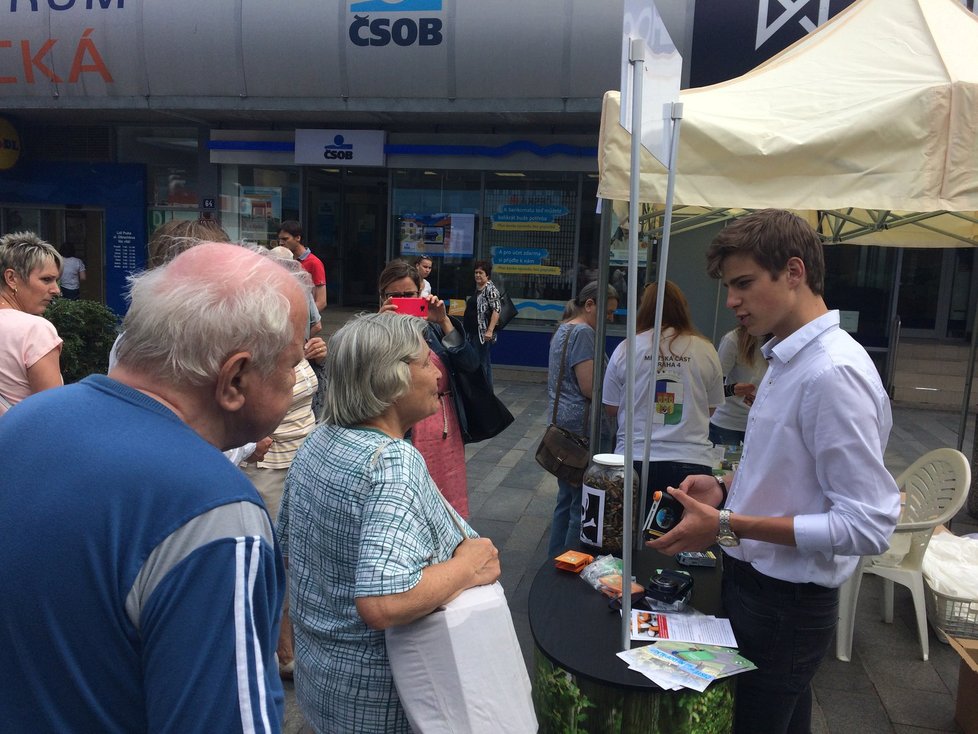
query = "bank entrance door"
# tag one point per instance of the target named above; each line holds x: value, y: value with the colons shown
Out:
x: 346, y: 225
x: 73, y: 231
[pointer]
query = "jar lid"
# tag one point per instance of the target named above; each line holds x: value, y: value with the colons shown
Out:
x: 609, y: 459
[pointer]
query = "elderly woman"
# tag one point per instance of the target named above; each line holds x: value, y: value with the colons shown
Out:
x: 439, y: 437
x: 30, y: 348
x: 370, y: 542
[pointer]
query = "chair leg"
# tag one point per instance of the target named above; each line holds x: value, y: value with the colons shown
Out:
x: 919, y: 606
x: 848, y: 599
x: 888, y: 600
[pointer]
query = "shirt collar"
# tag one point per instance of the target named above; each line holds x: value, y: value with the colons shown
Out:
x: 304, y: 255
x: 785, y: 349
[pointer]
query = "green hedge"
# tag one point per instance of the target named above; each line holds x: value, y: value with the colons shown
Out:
x: 89, y: 330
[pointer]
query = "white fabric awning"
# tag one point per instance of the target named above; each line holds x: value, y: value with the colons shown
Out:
x: 876, y: 110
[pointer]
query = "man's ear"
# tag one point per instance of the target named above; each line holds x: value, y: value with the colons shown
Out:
x: 795, y: 271
x: 233, y: 381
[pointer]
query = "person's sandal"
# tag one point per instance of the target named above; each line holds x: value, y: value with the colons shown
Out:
x: 286, y: 670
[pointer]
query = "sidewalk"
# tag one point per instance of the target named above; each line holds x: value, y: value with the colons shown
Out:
x: 886, y: 687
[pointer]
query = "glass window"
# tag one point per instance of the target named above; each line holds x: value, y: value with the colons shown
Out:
x: 46, y: 223
x: 256, y: 199
x: 530, y: 232
x: 170, y: 155
x: 436, y: 213
x: 858, y: 280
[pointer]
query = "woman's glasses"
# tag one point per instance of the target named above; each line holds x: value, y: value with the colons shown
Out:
x: 401, y: 294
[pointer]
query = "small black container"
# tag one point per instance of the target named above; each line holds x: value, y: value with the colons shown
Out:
x: 664, y: 514
x: 669, y: 590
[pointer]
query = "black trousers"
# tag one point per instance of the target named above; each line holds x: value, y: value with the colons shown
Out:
x: 785, y: 629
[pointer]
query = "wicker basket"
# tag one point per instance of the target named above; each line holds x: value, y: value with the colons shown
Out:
x: 952, y: 615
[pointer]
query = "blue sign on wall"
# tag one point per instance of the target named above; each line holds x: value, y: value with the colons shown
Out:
x: 117, y: 189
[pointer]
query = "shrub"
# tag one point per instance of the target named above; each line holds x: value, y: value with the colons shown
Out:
x: 89, y: 329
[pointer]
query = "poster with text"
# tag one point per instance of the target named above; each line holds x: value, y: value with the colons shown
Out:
x: 437, y: 235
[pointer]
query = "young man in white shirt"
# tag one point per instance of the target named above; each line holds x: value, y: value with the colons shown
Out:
x: 811, y: 493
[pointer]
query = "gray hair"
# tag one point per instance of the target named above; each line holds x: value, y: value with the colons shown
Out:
x: 188, y: 316
x: 25, y: 252
x: 367, y: 365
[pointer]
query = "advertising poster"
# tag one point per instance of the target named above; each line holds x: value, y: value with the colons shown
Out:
x: 528, y: 217
x: 438, y: 234
x: 522, y: 261
x: 174, y: 186
x: 256, y: 206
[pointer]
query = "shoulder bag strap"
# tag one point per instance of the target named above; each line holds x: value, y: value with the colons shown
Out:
x: 560, y: 376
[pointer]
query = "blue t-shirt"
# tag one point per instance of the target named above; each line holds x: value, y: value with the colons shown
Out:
x: 572, y: 407
x: 142, y: 583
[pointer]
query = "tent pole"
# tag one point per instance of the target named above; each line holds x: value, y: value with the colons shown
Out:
x: 636, y: 57
x: 597, y: 380
x: 660, y: 296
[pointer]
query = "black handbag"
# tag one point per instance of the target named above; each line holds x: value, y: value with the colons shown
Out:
x: 486, y: 415
x: 561, y: 452
x: 507, y: 311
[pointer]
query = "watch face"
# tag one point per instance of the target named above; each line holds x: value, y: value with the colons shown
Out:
x: 728, y: 541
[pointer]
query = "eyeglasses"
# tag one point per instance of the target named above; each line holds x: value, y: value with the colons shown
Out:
x: 401, y: 294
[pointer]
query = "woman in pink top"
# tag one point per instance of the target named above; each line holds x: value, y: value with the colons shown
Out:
x: 440, y: 438
x: 30, y: 348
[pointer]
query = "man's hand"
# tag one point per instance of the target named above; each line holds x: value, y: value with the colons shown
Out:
x: 261, y: 448
x: 483, y: 558
x: 698, y: 529
x: 704, y: 488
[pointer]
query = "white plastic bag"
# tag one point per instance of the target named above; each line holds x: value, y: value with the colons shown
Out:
x: 951, y: 565
x: 460, y: 668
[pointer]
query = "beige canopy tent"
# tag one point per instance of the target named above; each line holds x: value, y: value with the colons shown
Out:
x: 869, y: 124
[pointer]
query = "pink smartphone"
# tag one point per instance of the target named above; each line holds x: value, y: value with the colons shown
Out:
x: 412, y: 306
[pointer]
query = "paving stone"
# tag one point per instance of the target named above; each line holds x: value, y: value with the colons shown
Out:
x: 846, y: 712
x: 506, y: 504
x: 915, y: 708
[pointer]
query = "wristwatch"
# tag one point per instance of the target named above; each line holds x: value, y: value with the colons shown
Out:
x: 726, y: 537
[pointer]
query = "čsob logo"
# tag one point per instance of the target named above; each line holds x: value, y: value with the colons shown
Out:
x: 365, y: 31
x: 338, y: 150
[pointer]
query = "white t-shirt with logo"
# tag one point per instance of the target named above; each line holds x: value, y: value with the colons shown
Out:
x: 689, y: 384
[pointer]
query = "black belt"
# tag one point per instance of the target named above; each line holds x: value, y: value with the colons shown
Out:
x: 735, y: 567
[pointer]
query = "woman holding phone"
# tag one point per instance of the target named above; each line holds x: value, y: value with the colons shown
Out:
x: 439, y: 437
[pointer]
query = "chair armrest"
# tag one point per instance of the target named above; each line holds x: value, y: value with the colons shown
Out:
x: 916, y: 527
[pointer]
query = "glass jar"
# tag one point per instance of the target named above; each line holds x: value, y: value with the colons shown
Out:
x: 603, y: 501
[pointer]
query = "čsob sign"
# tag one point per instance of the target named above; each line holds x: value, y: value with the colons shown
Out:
x: 405, y: 31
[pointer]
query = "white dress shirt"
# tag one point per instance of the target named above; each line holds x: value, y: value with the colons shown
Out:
x: 814, y: 451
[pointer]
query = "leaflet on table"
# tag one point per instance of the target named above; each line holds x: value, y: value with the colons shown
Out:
x: 714, y: 660
x: 665, y: 670
x: 684, y: 627
x: 674, y: 665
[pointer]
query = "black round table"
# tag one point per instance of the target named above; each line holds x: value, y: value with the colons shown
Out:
x: 577, y: 633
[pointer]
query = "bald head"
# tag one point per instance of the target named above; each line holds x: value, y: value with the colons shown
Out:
x: 211, y: 301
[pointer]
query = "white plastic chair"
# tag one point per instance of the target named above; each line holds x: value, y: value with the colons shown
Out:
x: 936, y: 486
